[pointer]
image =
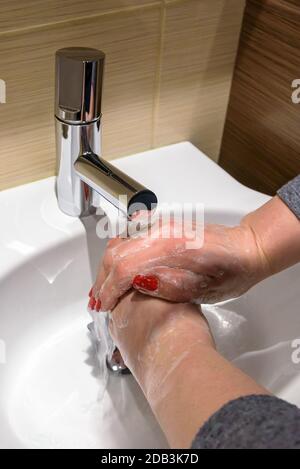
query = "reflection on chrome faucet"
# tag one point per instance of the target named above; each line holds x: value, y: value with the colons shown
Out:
x: 81, y: 170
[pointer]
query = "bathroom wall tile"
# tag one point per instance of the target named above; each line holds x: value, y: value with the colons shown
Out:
x: 131, y: 42
x: 197, y: 60
x: 17, y: 14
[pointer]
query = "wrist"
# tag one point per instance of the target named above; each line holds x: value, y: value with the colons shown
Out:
x: 260, y: 263
x: 174, y: 340
x: 277, y: 234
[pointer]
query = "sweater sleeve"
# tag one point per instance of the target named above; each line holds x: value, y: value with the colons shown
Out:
x: 256, y: 421
x: 290, y: 195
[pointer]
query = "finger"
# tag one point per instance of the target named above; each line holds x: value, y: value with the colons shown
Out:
x: 120, y: 264
x: 173, y: 284
x: 119, y: 280
x: 116, y: 284
x: 139, y: 255
x: 161, y: 239
x: 117, y: 249
x: 105, y: 266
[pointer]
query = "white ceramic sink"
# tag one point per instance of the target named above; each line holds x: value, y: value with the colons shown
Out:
x: 48, y: 376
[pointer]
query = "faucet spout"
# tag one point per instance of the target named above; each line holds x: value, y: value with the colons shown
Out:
x: 81, y: 169
x: 115, y: 186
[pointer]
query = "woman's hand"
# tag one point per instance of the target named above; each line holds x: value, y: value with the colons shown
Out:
x: 163, y: 343
x: 229, y: 262
x: 151, y: 333
x: 171, y: 353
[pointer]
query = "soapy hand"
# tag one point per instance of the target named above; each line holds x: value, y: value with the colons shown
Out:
x: 143, y: 327
x: 171, y: 353
x: 229, y: 262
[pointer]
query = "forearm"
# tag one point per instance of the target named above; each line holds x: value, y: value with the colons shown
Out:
x: 187, y: 381
x: 277, y: 233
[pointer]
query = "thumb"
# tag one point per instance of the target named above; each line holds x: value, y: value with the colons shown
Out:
x: 173, y: 284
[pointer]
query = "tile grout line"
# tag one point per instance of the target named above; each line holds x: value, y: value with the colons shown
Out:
x: 169, y: 2
x: 157, y: 86
x: 37, y: 27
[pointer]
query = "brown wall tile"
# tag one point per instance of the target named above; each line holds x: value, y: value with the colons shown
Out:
x: 167, y: 77
x: 199, y: 49
x: 130, y: 40
x: 16, y: 14
x: 261, y: 141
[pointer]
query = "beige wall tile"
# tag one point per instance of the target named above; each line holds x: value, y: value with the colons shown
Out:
x: 131, y: 42
x: 167, y: 77
x: 200, y: 43
x: 15, y: 14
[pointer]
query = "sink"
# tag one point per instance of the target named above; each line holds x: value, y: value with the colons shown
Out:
x: 48, y: 372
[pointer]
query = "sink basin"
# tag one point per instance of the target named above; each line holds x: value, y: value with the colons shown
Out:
x: 48, y: 372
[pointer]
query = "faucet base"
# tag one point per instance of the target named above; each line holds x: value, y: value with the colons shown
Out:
x: 116, y: 364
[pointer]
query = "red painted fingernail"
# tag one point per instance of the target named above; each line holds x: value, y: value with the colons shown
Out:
x: 146, y: 282
x: 98, y: 306
x: 92, y: 303
x: 91, y: 292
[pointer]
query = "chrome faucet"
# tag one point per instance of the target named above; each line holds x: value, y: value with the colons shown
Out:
x: 82, y: 173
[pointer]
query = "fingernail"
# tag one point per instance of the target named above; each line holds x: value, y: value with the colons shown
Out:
x: 98, y: 305
x: 91, y: 292
x: 146, y: 282
x: 92, y: 303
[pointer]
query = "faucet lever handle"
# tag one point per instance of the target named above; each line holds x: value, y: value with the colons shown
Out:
x: 78, y: 84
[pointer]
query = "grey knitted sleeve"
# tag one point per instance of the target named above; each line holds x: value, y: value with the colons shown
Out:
x: 290, y: 194
x: 256, y: 421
